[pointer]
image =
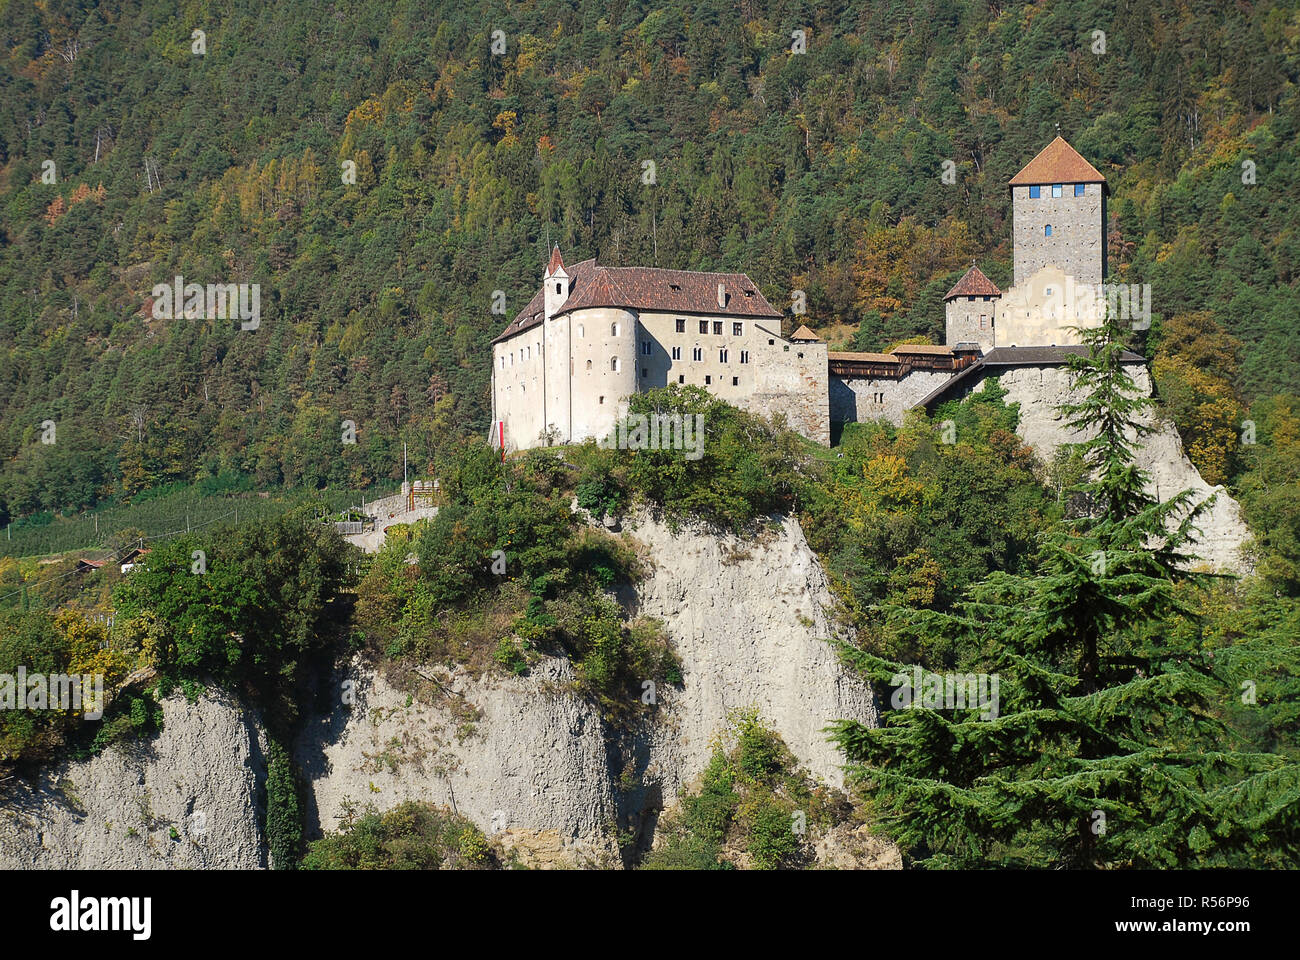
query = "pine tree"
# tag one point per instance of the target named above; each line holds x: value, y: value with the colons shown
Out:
x: 1106, y: 747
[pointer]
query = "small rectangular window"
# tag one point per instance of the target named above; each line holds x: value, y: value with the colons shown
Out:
x: 644, y: 372
x: 1056, y: 189
x: 645, y: 347
x: 1078, y: 189
x: 735, y: 381
x: 1035, y: 192
x: 771, y: 343
x: 681, y: 326
x: 704, y: 326
x: 708, y: 380
x: 681, y: 379
x: 717, y: 328
x: 737, y: 329
x: 744, y: 356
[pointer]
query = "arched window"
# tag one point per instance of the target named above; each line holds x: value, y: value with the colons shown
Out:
x: 557, y: 287
x: 613, y: 329
x: 613, y: 364
x: 1047, y: 230
x: 588, y: 364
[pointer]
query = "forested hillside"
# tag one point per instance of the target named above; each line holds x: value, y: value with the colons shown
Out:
x: 819, y: 171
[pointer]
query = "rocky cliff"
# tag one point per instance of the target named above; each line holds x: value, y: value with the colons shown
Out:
x: 525, y: 758
x: 189, y: 798
x: 1040, y: 390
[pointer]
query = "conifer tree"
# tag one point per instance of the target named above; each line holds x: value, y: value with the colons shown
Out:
x: 1107, y: 748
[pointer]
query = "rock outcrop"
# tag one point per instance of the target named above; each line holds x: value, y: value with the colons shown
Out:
x: 189, y: 798
x: 750, y: 622
x: 1040, y: 390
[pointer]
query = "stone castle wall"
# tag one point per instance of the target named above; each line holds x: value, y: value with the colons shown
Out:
x: 862, y: 400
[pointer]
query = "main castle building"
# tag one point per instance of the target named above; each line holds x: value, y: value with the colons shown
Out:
x: 594, y: 335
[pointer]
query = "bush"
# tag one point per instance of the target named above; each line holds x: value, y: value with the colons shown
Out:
x: 414, y: 835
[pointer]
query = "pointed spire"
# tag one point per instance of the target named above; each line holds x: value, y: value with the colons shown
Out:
x: 557, y: 262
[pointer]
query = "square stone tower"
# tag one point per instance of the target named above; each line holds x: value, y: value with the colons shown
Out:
x: 1058, y: 212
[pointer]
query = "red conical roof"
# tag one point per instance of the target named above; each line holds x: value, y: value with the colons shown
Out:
x: 557, y: 262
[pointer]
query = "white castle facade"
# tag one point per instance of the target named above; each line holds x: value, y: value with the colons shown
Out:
x: 593, y: 335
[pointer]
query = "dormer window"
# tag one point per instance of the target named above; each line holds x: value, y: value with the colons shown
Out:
x: 674, y: 286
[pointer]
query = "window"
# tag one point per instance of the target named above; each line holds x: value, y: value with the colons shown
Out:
x: 735, y: 381
x: 677, y: 353
x: 557, y: 288
x: 800, y: 356
x: 771, y: 343
x: 681, y: 325
x: 983, y: 321
x: 1078, y: 189
x: 704, y: 326
x: 1047, y: 230
x: 1035, y: 192
x: 645, y: 347
x: 602, y: 401
x: 523, y: 388
x: 971, y: 299
x: 708, y: 380
x: 1056, y: 190
x: 681, y: 379
x: 717, y: 328
x: 580, y: 331
x: 744, y: 356
x: 722, y: 356
x: 613, y: 329
x: 737, y: 329
x: 588, y: 364
x: 644, y: 373
x: 697, y: 354
x: 786, y: 348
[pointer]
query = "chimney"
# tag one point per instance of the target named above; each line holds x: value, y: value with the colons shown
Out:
x: 722, y: 295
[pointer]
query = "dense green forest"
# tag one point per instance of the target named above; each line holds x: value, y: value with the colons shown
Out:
x: 818, y: 171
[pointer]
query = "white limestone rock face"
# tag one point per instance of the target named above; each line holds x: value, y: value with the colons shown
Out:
x: 1039, y: 390
x: 749, y: 621
x: 519, y: 756
x: 201, y: 777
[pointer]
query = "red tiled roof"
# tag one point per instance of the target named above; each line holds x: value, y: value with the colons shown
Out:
x: 973, y: 284
x: 648, y: 288
x: 557, y: 261
x: 1058, y: 162
x: 803, y: 333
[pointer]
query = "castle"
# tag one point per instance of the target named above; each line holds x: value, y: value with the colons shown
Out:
x: 594, y: 335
